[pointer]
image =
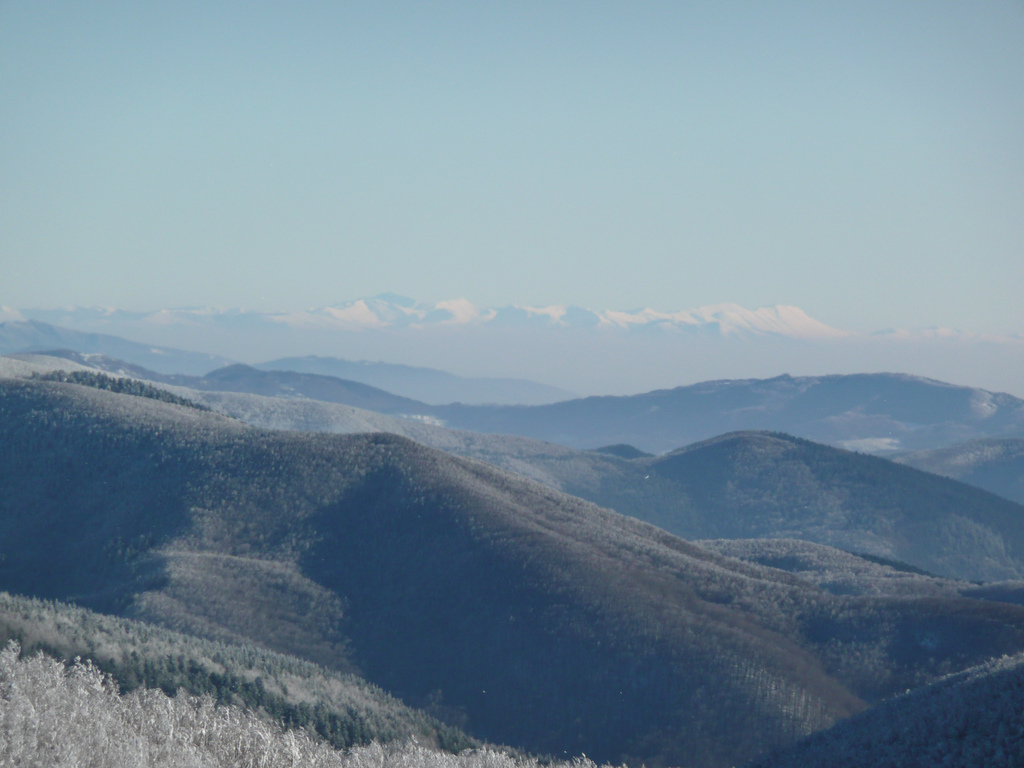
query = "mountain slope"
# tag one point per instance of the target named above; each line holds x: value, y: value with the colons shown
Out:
x: 840, y: 572
x: 784, y: 487
x: 35, y: 336
x: 342, y: 709
x: 876, y: 413
x: 993, y: 464
x: 230, y: 551
x: 870, y: 412
x: 245, y: 379
x: 792, y: 488
x: 967, y: 720
x: 528, y: 616
x: 425, y: 384
x: 765, y: 485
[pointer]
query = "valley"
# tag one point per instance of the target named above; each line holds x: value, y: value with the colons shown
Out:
x: 511, y: 385
x: 514, y: 612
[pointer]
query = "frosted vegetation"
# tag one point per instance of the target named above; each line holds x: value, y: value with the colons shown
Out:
x: 119, y: 384
x: 56, y: 715
x: 523, y: 615
x: 966, y: 720
x: 994, y: 464
x: 745, y: 485
x: 343, y: 709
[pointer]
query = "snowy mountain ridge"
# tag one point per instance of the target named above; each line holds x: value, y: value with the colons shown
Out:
x: 725, y: 319
x: 390, y: 311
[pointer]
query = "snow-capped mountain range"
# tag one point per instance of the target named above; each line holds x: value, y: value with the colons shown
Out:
x: 391, y: 311
x: 395, y: 311
x: 573, y: 348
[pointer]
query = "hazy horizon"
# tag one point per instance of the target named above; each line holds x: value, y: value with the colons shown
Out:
x: 861, y: 161
x: 574, y: 353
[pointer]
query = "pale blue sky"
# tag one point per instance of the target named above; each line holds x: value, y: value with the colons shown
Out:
x: 861, y: 160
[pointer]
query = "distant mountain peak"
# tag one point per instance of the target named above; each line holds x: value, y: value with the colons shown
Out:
x: 391, y: 311
x: 394, y: 311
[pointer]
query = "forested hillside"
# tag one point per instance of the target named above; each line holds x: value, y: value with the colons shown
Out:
x: 68, y: 715
x: 343, y: 710
x: 967, y: 720
x: 840, y: 572
x: 997, y: 465
x: 871, y: 412
x: 742, y: 485
x: 425, y: 384
x: 764, y: 485
x: 877, y: 413
x: 784, y: 487
x: 524, y: 615
x: 120, y: 384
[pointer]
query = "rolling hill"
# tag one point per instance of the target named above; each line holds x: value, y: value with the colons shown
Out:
x: 18, y: 336
x: 840, y: 572
x: 739, y: 486
x: 873, y: 413
x: 749, y: 485
x: 341, y: 709
x: 767, y: 485
x: 967, y: 720
x: 876, y: 413
x: 248, y: 380
x: 997, y: 465
x: 244, y: 378
x: 425, y: 384
x: 527, y: 616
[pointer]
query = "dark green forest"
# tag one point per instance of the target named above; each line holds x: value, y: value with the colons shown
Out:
x: 119, y: 384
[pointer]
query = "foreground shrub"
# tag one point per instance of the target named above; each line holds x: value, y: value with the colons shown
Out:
x: 52, y: 715
x: 55, y: 716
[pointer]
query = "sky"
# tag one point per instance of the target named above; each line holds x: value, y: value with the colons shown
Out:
x: 861, y: 160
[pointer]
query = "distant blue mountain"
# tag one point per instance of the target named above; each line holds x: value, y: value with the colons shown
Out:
x: 35, y: 336
x: 874, y: 413
x: 427, y: 385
